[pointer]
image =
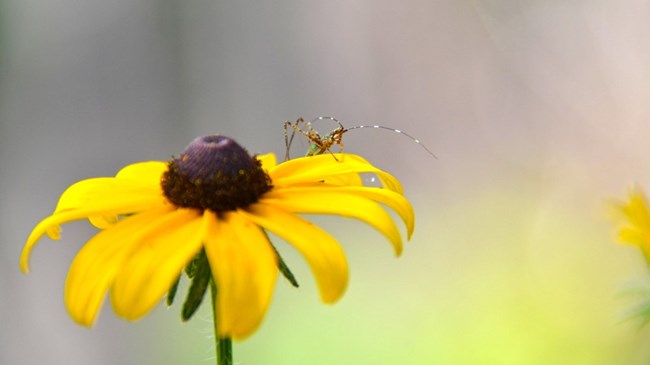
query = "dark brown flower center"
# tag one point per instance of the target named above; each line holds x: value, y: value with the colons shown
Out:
x: 215, y: 173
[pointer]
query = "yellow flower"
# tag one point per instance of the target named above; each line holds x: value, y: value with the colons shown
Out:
x: 155, y: 217
x: 636, y: 217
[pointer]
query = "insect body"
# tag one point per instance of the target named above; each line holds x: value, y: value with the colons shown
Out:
x: 317, y: 144
x: 322, y: 144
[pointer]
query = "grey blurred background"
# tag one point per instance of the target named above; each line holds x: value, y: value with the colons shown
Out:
x: 537, y: 111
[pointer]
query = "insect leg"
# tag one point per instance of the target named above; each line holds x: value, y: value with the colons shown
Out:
x: 288, y: 140
x: 295, y: 127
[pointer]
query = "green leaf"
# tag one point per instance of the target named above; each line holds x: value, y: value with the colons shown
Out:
x: 172, y: 292
x: 284, y: 269
x: 200, y: 280
x: 190, y: 269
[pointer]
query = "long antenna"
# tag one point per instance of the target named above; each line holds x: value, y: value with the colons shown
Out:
x: 344, y: 130
x: 396, y: 131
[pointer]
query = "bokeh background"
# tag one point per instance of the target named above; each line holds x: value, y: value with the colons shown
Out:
x: 536, y: 110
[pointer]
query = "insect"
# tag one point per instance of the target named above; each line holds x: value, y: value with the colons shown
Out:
x: 322, y: 144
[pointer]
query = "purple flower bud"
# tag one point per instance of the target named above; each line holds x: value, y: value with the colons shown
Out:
x: 210, y: 156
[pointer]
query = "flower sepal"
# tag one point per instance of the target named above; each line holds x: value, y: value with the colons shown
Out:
x: 200, y: 275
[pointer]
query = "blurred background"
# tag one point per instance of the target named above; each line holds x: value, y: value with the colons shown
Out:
x: 536, y: 110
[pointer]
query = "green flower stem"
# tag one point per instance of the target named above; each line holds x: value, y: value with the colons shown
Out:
x: 223, y: 345
x: 224, y: 351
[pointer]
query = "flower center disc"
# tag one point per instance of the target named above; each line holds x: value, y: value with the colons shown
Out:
x: 215, y: 173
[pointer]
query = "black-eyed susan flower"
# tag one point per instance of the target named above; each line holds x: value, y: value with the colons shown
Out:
x: 156, y: 217
x: 635, y: 215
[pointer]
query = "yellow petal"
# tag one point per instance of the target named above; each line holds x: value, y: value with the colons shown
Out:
x: 103, y: 221
x: 393, y: 200
x: 322, y: 252
x: 324, y: 167
x: 631, y: 235
x: 636, y: 210
x: 339, y: 202
x: 245, y: 269
x: 156, y: 263
x: 268, y: 160
x: 101, y: 207
x: 100, y: 259
x: 110, y: 191
x: 343, y: 180
x: 387, y: 180
x: 149, y: 172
